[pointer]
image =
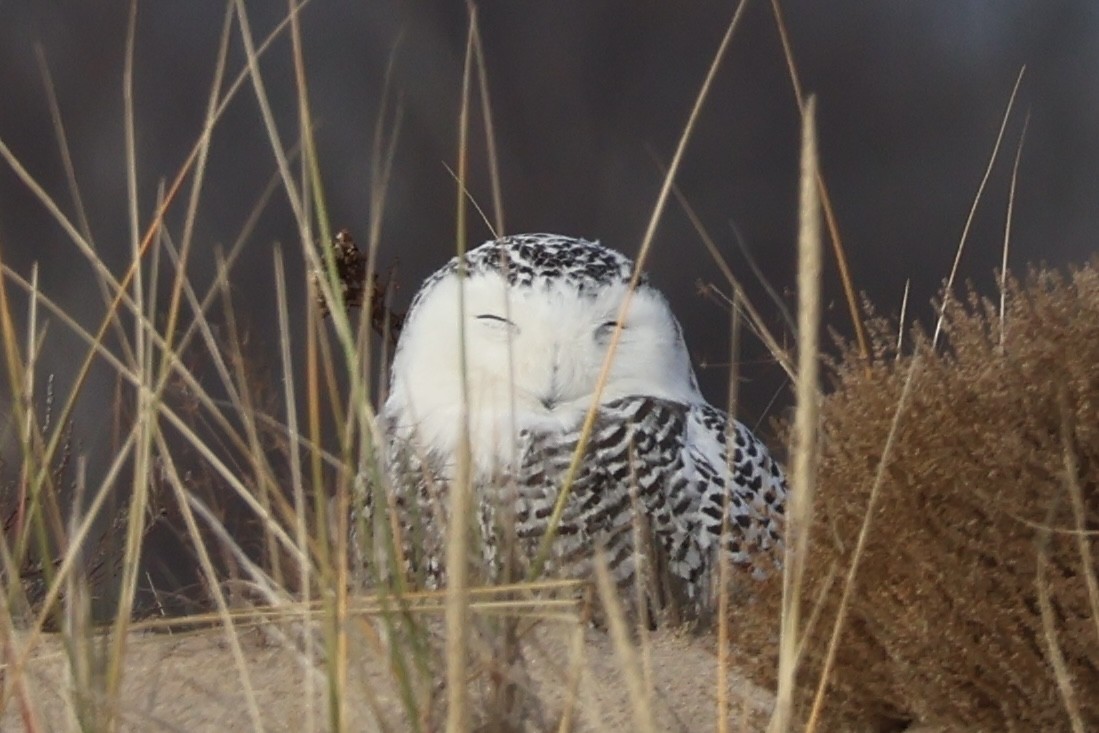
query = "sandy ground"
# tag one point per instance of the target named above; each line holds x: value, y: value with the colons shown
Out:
x: 191, y: 682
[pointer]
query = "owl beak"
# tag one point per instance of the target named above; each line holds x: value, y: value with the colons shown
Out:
x: 549, y: 403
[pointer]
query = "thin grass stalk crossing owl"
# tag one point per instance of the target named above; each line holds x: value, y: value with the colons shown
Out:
x: 540, y: 311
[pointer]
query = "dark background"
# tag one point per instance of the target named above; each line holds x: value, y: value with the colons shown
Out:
x: 910, y: 99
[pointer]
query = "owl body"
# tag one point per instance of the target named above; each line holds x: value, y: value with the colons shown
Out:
x: 506, y: 345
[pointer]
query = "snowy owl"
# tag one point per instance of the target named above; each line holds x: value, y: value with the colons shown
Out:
x: 511, y: 341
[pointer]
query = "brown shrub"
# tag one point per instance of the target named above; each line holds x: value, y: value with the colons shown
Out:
x: 945, y: 623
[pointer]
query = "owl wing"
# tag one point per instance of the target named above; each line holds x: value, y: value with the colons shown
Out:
x: 635, y: 467
x: 597, y: 511
x: 738, y: 481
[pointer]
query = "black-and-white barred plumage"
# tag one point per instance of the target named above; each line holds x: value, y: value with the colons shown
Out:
x: 660, y: 464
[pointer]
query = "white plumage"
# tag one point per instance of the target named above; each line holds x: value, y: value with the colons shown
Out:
x: 519, y: 356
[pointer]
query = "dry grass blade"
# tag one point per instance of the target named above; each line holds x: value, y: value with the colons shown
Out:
x: 294, y: 199
x: 74, y: 188
x: 757, y: 272
x: 1053, y: 647
x: 1007, y: 229
x: 1079, y: 512
x: 25, y: 373
x: 201, y: 153
x: 311, y: 172
x: 145, y: 418
x: 624, y: 647
x: 902, y: 319
x: 803, y: 473
x: 213, y: 581
x: 63, y: 143
x: 297, y: 488
x: 490, y: 136
x: 640, y: 530
x: 825, y: 198
x: 739, y: 299
x: 973, y: 208
x: 461, y: 499
x: 723, y: 568
x: 381, y: 169
x: 575, y: 672
x: 473, y: 202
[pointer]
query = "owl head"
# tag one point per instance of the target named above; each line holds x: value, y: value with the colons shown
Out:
x: 517, y: 331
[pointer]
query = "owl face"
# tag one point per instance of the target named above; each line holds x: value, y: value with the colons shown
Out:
x: 533, y: 345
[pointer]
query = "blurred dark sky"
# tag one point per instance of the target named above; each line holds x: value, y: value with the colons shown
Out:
x: 910, y: 99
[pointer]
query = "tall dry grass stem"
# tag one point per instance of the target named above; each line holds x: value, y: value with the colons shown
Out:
x: 498, y: 229
x: 461, y: 489
x: 724, y: 636
x: 297, y: 489
x: 806, y: 421
x: 903, y: 317
x: 825, y: 198
x: 1008, y: 218
x: 144, y: 419
x: 973, y: 208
